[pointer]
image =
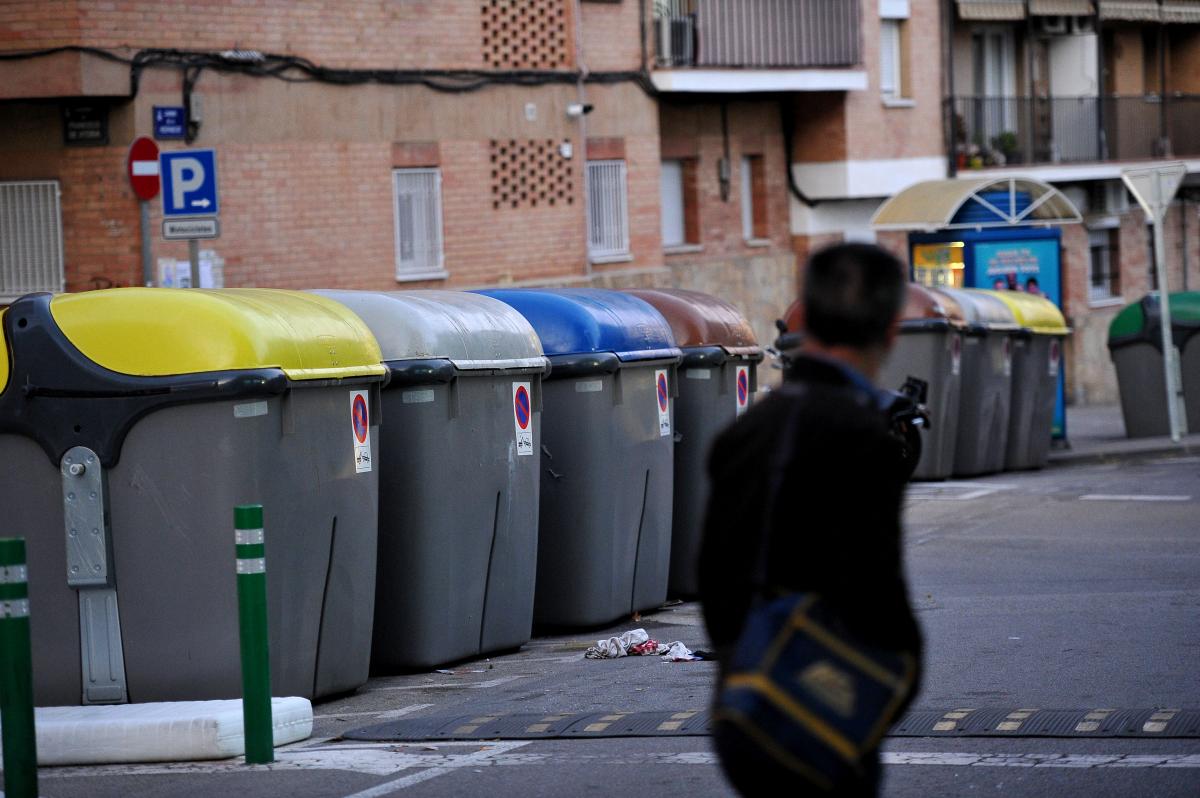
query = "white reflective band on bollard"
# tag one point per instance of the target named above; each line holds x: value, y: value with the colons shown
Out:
x: 18, y: 608
x: 14, y: 575
x: 248, y: 537
x: 257, y: 565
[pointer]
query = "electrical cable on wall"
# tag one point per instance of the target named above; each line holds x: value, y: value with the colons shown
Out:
x: 295, y: 69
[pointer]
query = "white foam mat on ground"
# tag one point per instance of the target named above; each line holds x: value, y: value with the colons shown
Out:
x: 175, y: 731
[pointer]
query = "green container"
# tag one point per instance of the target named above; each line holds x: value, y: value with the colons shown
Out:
x: 1135, y: 344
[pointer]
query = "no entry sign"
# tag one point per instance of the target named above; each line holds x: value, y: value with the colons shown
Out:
x: 143, y: 168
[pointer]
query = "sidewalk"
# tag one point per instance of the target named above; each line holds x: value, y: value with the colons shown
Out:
x: 1097, y: 433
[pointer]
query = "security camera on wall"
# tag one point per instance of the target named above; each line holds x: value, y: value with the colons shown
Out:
x: 579, y: 109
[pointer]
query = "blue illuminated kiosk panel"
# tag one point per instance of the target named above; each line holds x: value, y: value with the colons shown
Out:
x: 1006, y: 258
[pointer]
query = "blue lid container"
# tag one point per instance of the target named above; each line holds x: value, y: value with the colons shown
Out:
x: 590, y: 329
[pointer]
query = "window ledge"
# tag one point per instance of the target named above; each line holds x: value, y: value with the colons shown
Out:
x: 899, y: 102
x: 1105, y: 302
x: 622, y: 258
x: 683, y: 249
x: 758, y: 242
x: 412, y: 277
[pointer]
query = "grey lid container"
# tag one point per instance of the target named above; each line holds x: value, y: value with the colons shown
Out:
x: 929, y: 347
x: 604, y: 544
x: 986, y: 387
x: 459, y: 482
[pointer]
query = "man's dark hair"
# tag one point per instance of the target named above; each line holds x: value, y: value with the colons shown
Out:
x: 852, y: 293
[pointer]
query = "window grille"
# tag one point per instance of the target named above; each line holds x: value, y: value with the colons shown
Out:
x: 608, y: 217
x: 1104, y: 283
x: 418, y: 211
x: 31, y: 249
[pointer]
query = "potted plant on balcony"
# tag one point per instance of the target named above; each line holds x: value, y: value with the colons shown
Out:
x: 1005, y: 147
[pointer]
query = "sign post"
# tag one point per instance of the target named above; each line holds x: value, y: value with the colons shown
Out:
x: 142, y: 166
x: 189, y: 200
x: 1154, y: 188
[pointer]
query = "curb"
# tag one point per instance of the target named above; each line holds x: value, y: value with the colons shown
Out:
x: 1188, y: 446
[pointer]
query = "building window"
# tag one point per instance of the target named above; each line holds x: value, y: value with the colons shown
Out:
x: 608, y: 216
x: 418, y: 211
x: 890, y: 61
x: 31, y: 250
x: 1105, y: 277
x: 893, y: 52
x: 754, y: 199
x: 680, y: 203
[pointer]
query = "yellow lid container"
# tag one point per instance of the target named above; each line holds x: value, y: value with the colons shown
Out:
x: 158, y: 332
x: 1034, y: 313
x: 3, y: 354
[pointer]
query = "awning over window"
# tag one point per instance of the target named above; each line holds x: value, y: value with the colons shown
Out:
x: 1185, y: 11
x: 1011, y: 201
x: 1065, y: 8
x: 1130, y: 10
x: 992, y: 10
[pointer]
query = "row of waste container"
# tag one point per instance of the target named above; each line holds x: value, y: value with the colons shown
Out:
x: 1135, y: 344
x: 411, y: 481
x: 991, y: 360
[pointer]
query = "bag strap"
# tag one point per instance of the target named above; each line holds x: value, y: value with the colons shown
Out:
x: 780, y: 460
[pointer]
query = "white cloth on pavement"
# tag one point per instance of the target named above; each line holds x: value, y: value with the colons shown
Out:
x: 615, y: 647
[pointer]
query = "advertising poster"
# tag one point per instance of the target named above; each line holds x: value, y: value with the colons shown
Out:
x: 1031, y: 266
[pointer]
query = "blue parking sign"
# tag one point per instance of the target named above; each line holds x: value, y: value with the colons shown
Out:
x: 189, y: 183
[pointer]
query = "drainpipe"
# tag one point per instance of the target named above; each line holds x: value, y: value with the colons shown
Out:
x: 1029, y: 94
x: 581, y: 98
x: 1164, y: 142
x: 948, y: 81
x: 1102, y: 140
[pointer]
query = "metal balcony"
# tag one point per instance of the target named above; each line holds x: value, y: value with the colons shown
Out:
x: 1004, y: 131
x: 757, y: 34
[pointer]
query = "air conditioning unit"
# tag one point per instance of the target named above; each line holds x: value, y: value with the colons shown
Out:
x: 1054, y: 26
x: 1080, y: 25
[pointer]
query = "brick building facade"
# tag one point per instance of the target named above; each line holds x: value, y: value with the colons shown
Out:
x: 423, y: 144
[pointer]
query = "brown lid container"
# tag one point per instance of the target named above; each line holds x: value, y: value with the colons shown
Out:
x: 923, y: 305
x: 699, y: 319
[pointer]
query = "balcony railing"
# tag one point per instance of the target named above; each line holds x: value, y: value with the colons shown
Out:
x: 997, y: 131
x: 756, y: 34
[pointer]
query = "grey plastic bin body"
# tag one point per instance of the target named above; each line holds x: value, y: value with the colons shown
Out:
x: 1037, y: 361
x: 604, y: 541
x: 1031, y: 410
x: 717, y: 380
x: 459, y: 487
x: 1135, y: 344
x: 170, y: 485
x: 985, y: 398
x: 929, y: 347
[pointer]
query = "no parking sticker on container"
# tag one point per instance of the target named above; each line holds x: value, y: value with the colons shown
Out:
x: 1055, y: 355
x: 743, y: 389
x: 523, y: 417
x: 360, y: 425
x: 664, y: 402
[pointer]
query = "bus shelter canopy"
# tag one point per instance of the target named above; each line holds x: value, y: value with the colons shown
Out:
x: 975, y: 203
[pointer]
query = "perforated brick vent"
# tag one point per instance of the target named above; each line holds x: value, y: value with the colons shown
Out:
x: 530, y: 173
x: 524, y: 34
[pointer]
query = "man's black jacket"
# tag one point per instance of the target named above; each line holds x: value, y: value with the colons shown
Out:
x: 836, y: 524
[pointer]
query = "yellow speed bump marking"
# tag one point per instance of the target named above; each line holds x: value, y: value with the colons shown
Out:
x: 1014, y: 720
x: 950, y: 720
x: 685, y: 715
x: 1092, y: 720
x: 474, y: 724
x: 670, y: 725
x: 1158, y: 721
x: 596, y: 727
x: 537, y: 727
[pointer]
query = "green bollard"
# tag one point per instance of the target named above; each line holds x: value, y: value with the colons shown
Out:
x: 16, y: 674
x: 252, y: 623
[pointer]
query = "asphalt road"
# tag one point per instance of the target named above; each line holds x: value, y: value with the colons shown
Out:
x: 1074, y: 588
